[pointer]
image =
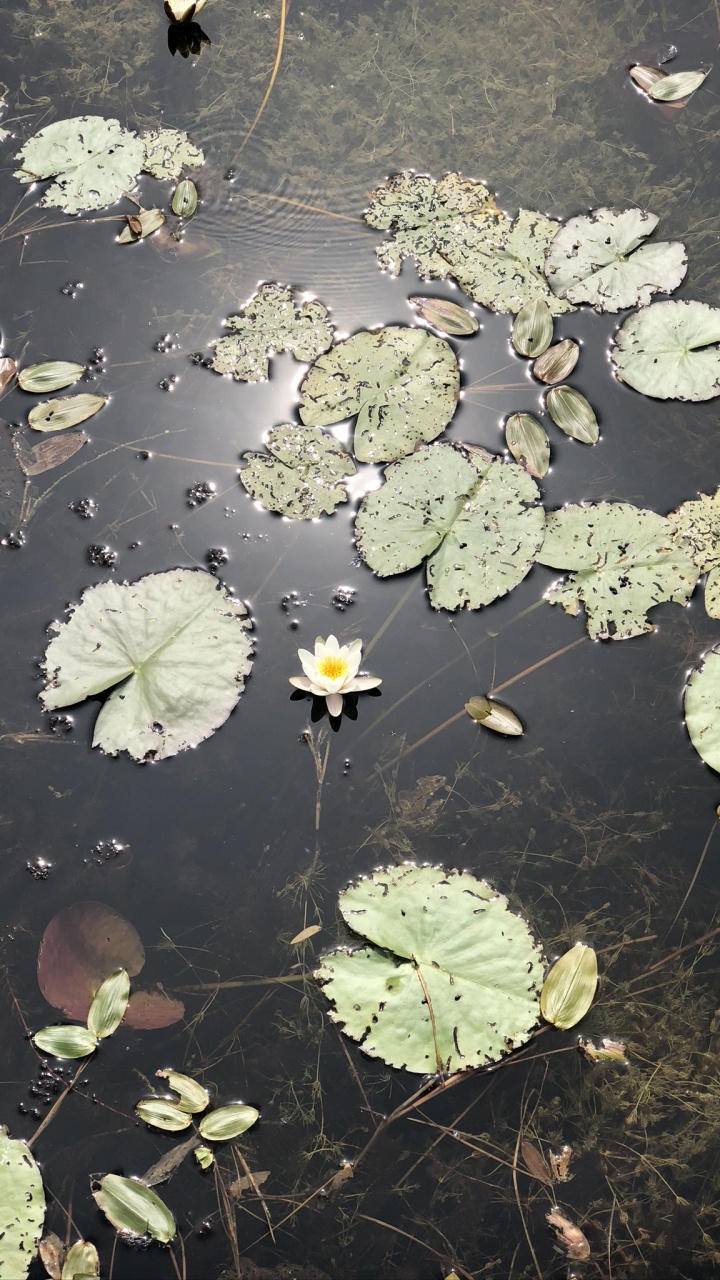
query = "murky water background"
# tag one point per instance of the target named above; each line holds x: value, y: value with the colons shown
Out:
x: 594, y: 821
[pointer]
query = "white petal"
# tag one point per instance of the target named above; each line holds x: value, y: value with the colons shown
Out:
x: 302, y: 682
x: 355, y: 646
x: 360, y: 683
x: 319, y: 648
x: 334, y: 703
x: 331, y: 645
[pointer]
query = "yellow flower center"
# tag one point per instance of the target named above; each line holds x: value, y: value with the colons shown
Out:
x: 331, y: 667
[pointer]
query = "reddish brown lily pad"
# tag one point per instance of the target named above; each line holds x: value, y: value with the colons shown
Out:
x: 149, y: 1010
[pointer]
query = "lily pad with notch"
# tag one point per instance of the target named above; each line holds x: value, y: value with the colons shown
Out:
x: 271, y: 321
x: 93, y: 161
x: 600, y: 258
x: 22, y: 1206
x: 670, y: 351
x: 302, y: 475
x: 697, y: 525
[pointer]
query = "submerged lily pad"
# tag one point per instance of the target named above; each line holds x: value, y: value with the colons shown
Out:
x: 669, y: 350
x: 302, y: 475
x: 622, y: 560
x: 82, y: 946
x: 600, y: 258
x: 175, y: 643
x: 402, y: 383
x: 22, y: 1207
x: 168, y: 152
x: 702, y: 708
x: 476, y: 517
x: 94, y: 162
x: 450, y: 979
x: 270, y: 322
x: 698, y: 530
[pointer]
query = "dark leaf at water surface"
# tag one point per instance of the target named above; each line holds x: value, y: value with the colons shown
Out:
x: 12, y: 485
x: 82, y: 946
x: 49, y: 453
x: 8, y: 369
x: 152, y: 1010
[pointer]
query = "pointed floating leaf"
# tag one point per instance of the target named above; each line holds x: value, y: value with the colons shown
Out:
x: 557, y: 362
x: 204, y: 1157
x: 595, y: 258
x: 52, y: 1251
x: 8, y: 369
x: 81, y: 1261
x: 645, y: 77
x: 50, y: 453
x: 65, y: 1042
x: 698, y: 531
x: 141, y: 224
x: 175, y: 643
x: 134, y: 1208
x: 194, y: 1097
x: 494, y: 715
x: 94, y: 161
x: 669, y: 350
x: 22, y: 1207
x: 270, y: 322
x: 228, y: 1122
x: 166, y: 1166
x: 185, y: 199
x: 303, y: 474
x: 475, y: 516
x: 169, y: 151
x: 69, y: 411
x: 402, y: 383
x: 108, y: 1007
x: 51, y: 376
x: 569, y: 989
x: 573, y: 414
x: 304, y: 934
x: 448, y: 978
x: 679, y: 84
x: 528, y: 443
x: 532, y: 331
x: 448, y: 317
x: 162, y: 1113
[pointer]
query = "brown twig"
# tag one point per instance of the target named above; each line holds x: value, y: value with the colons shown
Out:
x: 273, y: 77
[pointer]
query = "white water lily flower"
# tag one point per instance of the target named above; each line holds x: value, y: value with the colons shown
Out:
x: 183, y: 10
x: 331, y: 672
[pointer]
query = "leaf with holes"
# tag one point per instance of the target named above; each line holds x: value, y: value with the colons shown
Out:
x: 505, y: 271
x: 430, y: 221
x: 270, y: 322
x: 670, y: 351
x: 621, y: 559
x: 168, y: 152
x: 600, y: 258
x: 450, y: 977
x: 176, y: 646
x: 402, y: 384
x: 302, y: 475
x: 702, y: 708
x: 22, y: 1207
x: 697, y: 525
x: 93, y: 161
x: 476, y: 518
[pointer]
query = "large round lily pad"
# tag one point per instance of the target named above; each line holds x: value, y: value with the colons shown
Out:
x: 450, y: 979
x: 600, y: 258
x: 670, y: 351
x: 93, y: 160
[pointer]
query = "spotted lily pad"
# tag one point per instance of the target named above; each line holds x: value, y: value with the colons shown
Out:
x: 430, y: 221
x: 600, y: 258
x: 93, y: 162
x: 168, y: 152
x: 270, y: 322
x: 22, y: 1207
x: 698, y: 531
x: 402, y: 383
x: 476, y: 518
x: 176, y: 646
x: 670, y: 351
x: 505, y: 271
x: 449, y: 979
x: 622, y: 561
x: 302, y: 475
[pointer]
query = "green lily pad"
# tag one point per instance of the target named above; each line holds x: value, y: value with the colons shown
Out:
x: 476, y: 517
x: 174, y: 643
x: 505, y: 270
x: 702, y: 708
x: 134, y: 1208
x: 669, y: 351
x: 450, y: 979
x: 697, y: 523
x: 22, y: 1207
x: 622, y: 560
x: 168, y: 152
x: 402, y: 383
x: 600, y: 258
x: 94, y: 162
x: 303, y: 474
x: 270, y: 322
x: 430, y: 221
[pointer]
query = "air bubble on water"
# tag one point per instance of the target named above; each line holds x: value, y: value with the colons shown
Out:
x: 292, y: 600
x: 216, y: 557
x: 133, y: 546
x: 166, y: 343
x: 347, y: 765
x: 39, y: 869
x: 201, y: 492
x: 294, y: 624
x: 86, y: 508
x: 106, y: 851
x: 229, y: 511
x: 143, y: 455
x: 70, y: 289
x: 16, y: 540
x: 342, y: 598
x: 61, y: 724
x: 101, y: 556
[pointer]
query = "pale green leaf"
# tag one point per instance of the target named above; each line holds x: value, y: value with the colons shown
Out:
x: 450, y: 979
x: 185, y: 199
x: 503, y: 268
x: 94, y: 162
x: 109, y: 1004
x: 168, y: 152
x: 573, y: 414
x: 621, y: 559
x: 569, y: 989
x: 600, y: 258
x: 270, y: 322
x: 494, y: 715
x: 22, y: 1207
x: 162, y: 1113
x: 204, y: 1157
x: 51, y: 376
x: 302, y: 475
x: 65, y: 1042
x: 133, y: 1208
x: 528, y: 443
x: 141, y: 224
x: 446, y: 316
x: 429, y: 221
x: 669, y: 350
x: 702, y: 708
x: 227, y: 1122
x: 194, y: 1097
x: 558, y: 362
x: 532, y: 331
x: 677, y: 85
x: 175, y: 643
x: 68, y: 411
x: 402, y: 384
x: 475, y: 516
x: 81, y: 1261
x: 698, y: 531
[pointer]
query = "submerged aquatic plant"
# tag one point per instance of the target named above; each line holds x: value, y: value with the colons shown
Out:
x: 331, y: 672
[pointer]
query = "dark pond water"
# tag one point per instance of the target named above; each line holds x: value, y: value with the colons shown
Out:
x: 593, y: 822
